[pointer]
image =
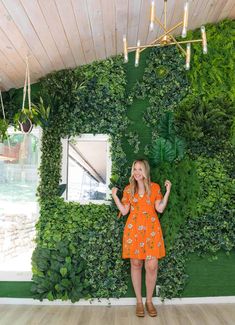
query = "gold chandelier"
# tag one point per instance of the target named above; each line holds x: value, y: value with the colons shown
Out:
x: 167, y: 38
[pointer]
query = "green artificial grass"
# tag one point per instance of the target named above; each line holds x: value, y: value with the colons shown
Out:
x: 210, y: 278
x: 205, y: 279
x: 12, y: 289
x: 136, y: 111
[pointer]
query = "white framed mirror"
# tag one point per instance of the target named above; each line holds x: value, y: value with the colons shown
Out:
x: 86, y: 168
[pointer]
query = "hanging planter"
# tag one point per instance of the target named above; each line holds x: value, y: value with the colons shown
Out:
x: 27, y: 126
x: 24, y: 119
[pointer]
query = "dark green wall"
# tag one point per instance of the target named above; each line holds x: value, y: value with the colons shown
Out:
x: 205, y: 277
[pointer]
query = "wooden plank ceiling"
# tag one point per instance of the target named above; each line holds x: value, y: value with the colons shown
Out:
x: 58, y: 34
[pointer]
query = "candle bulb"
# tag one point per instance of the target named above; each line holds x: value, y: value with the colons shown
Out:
x: 188, y: 56
x: 152, y: 16
x: 137, y: 54
x: 125, y: 49
x: 204, y: 40
x: 185, y: 21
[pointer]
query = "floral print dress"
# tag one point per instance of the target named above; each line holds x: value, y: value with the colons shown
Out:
x: 142, y: 238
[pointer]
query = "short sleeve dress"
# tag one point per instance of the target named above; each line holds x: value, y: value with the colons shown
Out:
x: 142, y: 237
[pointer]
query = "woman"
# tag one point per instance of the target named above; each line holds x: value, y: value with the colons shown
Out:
x: 142, y: 238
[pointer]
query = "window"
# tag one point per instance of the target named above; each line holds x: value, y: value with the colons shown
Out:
x: 86, y: 168
x: 19, y: 161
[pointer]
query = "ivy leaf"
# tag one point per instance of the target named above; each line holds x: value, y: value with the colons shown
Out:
x: 63, y: 271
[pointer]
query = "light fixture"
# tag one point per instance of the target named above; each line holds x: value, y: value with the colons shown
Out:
x: 167, y: 38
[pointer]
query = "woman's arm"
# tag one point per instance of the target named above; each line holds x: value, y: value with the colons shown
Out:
x: 124, y: 209
x: 160, y: 205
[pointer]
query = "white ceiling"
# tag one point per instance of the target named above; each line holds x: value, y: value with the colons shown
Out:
x: 58, y: 34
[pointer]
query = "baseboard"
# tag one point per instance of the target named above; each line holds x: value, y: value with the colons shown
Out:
x: 118, y: 302
x: 16, y: 276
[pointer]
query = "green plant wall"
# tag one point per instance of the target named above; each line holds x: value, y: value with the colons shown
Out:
x: 183, y: 122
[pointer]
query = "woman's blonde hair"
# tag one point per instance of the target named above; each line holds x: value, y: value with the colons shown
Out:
x: 146, y: 175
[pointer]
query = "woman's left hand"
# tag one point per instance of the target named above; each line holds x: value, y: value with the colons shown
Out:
x: 168, y: 185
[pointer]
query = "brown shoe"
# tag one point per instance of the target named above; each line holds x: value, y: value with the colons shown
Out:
x: 152, y: 311
x: 139, y: 309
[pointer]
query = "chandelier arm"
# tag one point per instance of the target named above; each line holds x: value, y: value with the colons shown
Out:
x: 192, y: 41
x: 142, y: 47
x: 171, y: 29
x: 157, y: 39
x: 150, y: 45
x: 168, y: 32
x: 177, y: 44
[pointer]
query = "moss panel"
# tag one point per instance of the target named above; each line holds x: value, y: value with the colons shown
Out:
x: 211, y: 278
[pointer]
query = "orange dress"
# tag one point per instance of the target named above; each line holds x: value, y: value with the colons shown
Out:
x: 142, y: 238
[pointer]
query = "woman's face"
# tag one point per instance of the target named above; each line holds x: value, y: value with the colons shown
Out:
x: 138, y: 172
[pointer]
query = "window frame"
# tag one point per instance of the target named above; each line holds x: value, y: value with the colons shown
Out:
x: 23, y: 275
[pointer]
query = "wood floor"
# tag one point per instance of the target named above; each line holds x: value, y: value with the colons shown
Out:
x: 219, y: 314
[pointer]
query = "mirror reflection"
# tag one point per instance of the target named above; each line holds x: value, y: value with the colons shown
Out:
x: 88, y: 168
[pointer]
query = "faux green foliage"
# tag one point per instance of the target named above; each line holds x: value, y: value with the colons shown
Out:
x: 80, y: 245
x: 206, y: 235
x: 205, y: 125
x: 59, y: 273
x: 197, y: 218
x: 167, y: 147
x: 89, y: 94
x: 216, y: 186
x: 183, y: 197
x: 213, y: 74
x: 132, y: 139
x: 3, y: 129
x: 101, y: 247
x: 12, y: 102
x: 232, y: 134
x: 90, y: 99
x: 43, y: 112
x: 78, y: 253
x: 50, y: 168
x: 164, y: 83
x: 209, y: 224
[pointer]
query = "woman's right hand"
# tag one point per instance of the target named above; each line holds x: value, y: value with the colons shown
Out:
x: 114, y: 191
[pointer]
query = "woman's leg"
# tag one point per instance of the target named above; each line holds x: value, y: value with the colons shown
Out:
x: 151, y: 267
x: 136, y: 272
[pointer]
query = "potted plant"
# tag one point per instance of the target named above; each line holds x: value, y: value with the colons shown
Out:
x: 25, y: 119
x: 36, y: 115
